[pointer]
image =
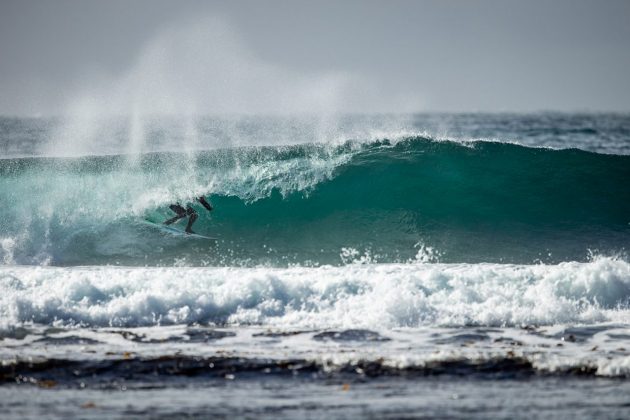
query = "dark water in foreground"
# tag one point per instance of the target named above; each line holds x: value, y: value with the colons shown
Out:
x: 343, y: 373
x: 424, y: 398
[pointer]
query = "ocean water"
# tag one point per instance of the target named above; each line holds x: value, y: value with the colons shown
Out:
x: 469, y: 265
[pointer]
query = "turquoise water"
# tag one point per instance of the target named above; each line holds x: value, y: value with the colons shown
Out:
x: 385, y: 200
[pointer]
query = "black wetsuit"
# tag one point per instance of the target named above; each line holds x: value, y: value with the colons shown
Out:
x: 182, y: 212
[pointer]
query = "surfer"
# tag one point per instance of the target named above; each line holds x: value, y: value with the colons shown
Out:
x: 182, y: 212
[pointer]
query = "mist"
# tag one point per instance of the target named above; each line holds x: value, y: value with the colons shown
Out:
x: 199, y: 68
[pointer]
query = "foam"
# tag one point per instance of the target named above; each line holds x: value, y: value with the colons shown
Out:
x: 355, y: 296
x: 7, y: 246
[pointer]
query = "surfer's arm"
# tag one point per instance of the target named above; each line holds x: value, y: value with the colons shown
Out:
x: 205, y: 203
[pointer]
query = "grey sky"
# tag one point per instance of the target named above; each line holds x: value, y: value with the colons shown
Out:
x: 408, y: 55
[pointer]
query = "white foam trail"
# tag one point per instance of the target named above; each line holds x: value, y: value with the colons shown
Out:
x: 365, y: 296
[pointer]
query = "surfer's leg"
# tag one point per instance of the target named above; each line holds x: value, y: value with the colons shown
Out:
x: 181, y: 212
x: 176, y: 208
x: 191, y: 220
x: 174, y: 219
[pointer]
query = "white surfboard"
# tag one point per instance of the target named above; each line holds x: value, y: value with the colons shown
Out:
x: 174, y: 231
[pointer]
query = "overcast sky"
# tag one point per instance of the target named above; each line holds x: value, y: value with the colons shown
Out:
x: 391, y: 56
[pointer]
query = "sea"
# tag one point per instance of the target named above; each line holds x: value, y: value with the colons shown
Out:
x: 359, y: 266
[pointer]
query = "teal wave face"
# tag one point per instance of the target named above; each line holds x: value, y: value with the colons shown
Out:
x: 321, y: 204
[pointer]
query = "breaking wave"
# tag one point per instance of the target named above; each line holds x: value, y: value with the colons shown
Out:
x: 384, y: 200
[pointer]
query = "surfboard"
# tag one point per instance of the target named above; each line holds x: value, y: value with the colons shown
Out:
x: 174, y: 231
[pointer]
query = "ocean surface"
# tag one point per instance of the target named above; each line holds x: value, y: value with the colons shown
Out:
x: 426, y: 265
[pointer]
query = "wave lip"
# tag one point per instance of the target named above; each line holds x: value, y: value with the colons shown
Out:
x: 353, y: 296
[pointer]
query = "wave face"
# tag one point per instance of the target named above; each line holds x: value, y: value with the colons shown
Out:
x: 410, y: 199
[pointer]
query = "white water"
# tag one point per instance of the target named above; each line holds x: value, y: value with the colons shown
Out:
x: 353, y: 296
